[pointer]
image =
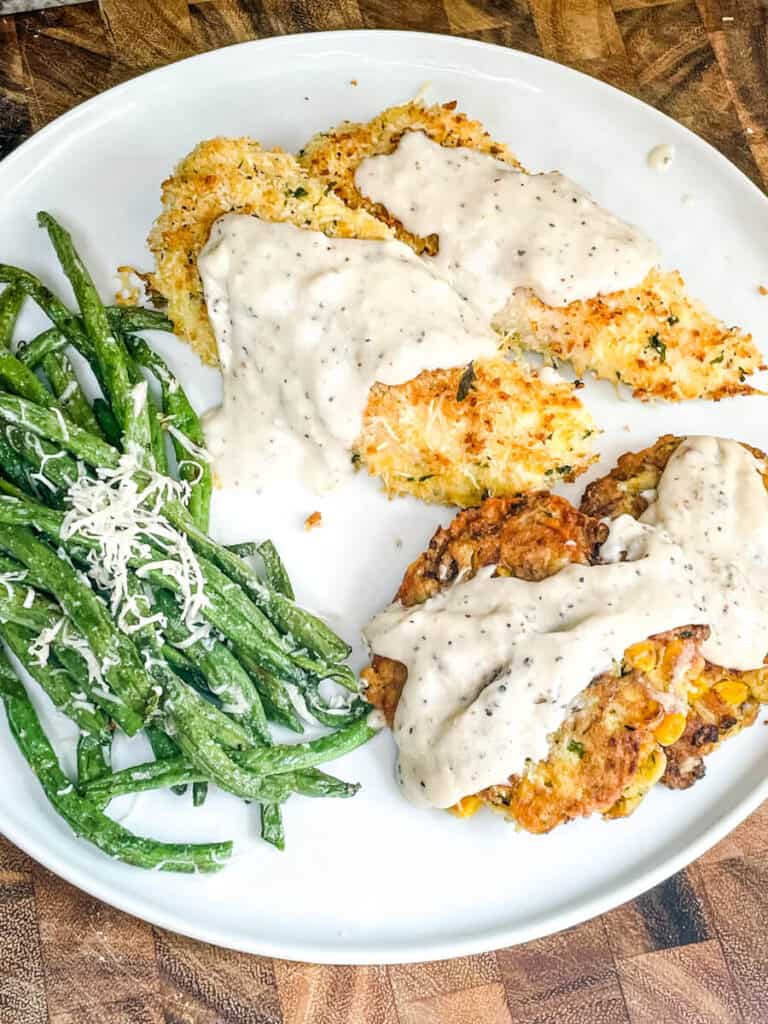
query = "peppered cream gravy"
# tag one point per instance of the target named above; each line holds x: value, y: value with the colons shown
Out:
x: 494, y: 662
x: 500, y: 229
x: 305, y: 324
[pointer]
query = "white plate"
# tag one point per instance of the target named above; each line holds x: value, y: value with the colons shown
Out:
x: 372, y: 879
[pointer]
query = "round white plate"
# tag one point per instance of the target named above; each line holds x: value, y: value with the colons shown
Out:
x: 372, y: 879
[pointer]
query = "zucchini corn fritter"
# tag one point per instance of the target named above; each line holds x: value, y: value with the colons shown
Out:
x: 617, y: 740
x: 451, y: 436
x: 654, y: 337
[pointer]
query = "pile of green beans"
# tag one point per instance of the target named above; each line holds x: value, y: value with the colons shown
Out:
x: 205, y: 702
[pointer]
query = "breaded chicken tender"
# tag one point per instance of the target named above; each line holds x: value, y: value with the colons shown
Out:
x: 442, y: 440
x: 609, y: 751
x: 451, y: 436
x: 654, y: 337
x: 334, y: 156
x: 235, y: 176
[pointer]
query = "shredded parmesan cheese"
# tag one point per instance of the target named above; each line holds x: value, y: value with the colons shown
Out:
x: 127, y: 523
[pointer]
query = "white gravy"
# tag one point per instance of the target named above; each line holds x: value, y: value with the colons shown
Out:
x: 305, y: 324
x: 500, y: 229
x: 494, y: 662
x: 660, y: 157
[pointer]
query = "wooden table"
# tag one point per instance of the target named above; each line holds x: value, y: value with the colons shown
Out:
x: 694, y: 949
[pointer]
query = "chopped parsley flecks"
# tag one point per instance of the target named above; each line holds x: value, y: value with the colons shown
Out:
x: 467, y: 382
x: 658, y: 345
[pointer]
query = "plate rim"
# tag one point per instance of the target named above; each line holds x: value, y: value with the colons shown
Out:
x: 459, y: 944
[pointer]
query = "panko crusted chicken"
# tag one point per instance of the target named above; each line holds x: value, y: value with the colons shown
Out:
x: 652, y: 717
x: 451, y: 434
x: 646, y: 332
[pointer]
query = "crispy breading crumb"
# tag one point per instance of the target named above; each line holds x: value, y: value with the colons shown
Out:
x: 313, y: 520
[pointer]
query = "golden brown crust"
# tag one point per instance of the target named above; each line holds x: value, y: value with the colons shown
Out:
x: 595, y: 755
x: 511, y: 431
x: 619, y: 732
x: 234, y: 176
x: 711, y: 720
x: 530, y: 536
x: 620, y: 492
x: 335, y: 155
x: 655, y: 338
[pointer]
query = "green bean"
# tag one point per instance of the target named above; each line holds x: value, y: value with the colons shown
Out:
x: 330, y: 716
x: 50, y: 423
x: 148, y: 430
x: 82, y: 816
x: 52, y: 469
x: 231, y: 610
x: 20, y: 602
x: 272, y: 828
x: 11, y: 302
x: 306, y: 629
x: 277, y: 575
x: 70, y: 396
x: 121, y: 666
x: 162, y: 774
x: 223, y: 673
x: 191, y: 675
x: 93, y: 761
x: 128, y: 403
x: 110, y: 428
x: 157, y: 437
x: 121, y: 318
x: 139, y: 434
x: 55, y: 681
x: 205, y: 753
x: 289, y: 757
x: 248, y: 549
x: 13, y: 466
x: 199, y: 793
x: 70, y: 326
x: 186, y: 432
x: 19, y: 379
x: 245, y: 635
x: 42, y: 613
x: 138, y: 318
x: 163, y: 747
x: 248, y: 642
x: 220, y: 727
x: 274, y: 697
x: 318, y: 784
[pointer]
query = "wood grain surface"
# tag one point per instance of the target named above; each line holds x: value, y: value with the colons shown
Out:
x: 695, y: 949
